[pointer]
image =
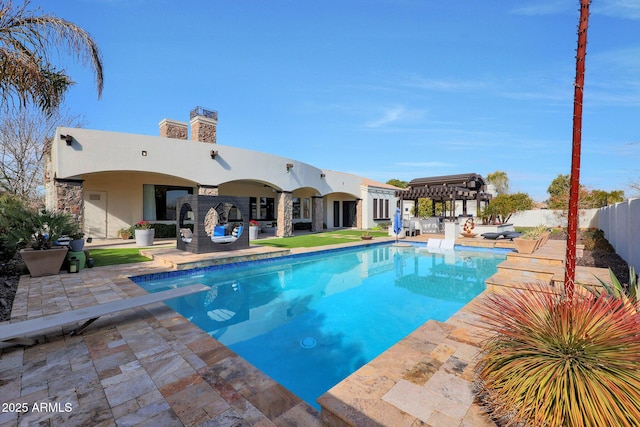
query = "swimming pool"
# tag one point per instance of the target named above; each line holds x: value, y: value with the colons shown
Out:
x: 309, y: 321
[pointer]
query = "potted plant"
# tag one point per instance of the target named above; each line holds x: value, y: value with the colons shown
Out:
x: 36, y: 236
x: 125, y: 233
x: 76, y: 244
x: 253, y: 229
x: 144, y: 233
x: 531, y: 240
x: 366, y: 236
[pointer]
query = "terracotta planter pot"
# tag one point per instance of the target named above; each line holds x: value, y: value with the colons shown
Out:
x: 526, y: 246
x: 43, y: 262
x: 366, y: 237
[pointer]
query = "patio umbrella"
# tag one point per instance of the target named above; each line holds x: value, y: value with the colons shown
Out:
x: 397, y: 223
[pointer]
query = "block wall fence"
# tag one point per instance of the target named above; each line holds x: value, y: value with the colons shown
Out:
x: 621, y: 226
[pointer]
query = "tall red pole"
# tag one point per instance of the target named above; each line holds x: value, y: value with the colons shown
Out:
x: 574, y: 191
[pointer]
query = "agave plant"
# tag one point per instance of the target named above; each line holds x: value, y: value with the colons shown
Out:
x: 560, y: 362
x: 616, y: 289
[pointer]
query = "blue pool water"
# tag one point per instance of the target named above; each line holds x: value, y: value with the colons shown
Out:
x: 309, y: 321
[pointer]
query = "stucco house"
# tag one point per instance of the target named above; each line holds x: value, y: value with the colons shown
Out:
x: 111, y: 180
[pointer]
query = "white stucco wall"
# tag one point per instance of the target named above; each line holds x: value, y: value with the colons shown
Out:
x: 100, y: 151
x: 553, y: 218
x: 119, y: 164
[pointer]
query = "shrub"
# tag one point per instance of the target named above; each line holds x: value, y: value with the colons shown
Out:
x: 594, y: 239
x: 555, y: 362
x: 13, y: 210
x: 164, y: 231
x: 302, y: 226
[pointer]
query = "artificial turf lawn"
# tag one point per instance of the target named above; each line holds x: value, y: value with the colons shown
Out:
x: 103, y: 257
x: 320, y: 239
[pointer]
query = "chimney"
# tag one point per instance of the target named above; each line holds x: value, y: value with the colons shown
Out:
x: 173, y: 129
x: 203, y: 125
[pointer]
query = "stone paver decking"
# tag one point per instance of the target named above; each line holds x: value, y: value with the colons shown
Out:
x: 151, y: 367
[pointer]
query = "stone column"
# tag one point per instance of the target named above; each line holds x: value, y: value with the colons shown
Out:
x: 359, y: 209
x: 317, y: 214
x: 207, y: 190
x: 69, y: 198
x: 285, y: 214
x: 173, y: 129
x: 203, y: 125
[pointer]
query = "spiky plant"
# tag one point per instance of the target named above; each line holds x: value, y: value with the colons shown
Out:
x: 616, y: 289
x: 560, y: 362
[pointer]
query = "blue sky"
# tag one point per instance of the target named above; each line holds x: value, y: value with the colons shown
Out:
x: 380, y: 88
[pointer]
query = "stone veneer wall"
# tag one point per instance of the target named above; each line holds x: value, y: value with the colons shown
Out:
x: 317, y: 214
x: 203, y: 129
x: 173, y: 129
x: 285, y: 215
x: 206, y: 190
x: 69, y: 198
x: 359, y: 209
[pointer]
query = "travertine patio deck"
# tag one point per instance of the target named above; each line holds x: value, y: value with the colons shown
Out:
x: 152, y: 367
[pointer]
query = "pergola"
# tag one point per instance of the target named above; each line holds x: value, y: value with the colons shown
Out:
x: 447, y: 188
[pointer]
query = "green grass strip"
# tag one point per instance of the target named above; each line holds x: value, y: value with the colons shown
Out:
x: 104, y: 257
x: 319, y: 239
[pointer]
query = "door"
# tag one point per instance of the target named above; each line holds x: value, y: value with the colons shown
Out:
x: 348, y: 214
x: 336, y: 214
x: 95, y: 214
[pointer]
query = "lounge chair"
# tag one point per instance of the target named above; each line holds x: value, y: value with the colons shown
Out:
x: 433, y: 245
x: 510, y: 235
x: 16, y: 333
x: 447, y: 244
x: 492, y: 236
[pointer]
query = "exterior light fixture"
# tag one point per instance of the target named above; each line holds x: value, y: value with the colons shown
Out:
x: 144, y: 153
x: 322, y: 175
x: 289, y: 167
x: 213, y: 154
x: 67, y: 138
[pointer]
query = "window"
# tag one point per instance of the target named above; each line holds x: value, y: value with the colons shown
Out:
x: 380, y: 209
x: 262, y: 208
x: 301, y: 208
x: 159, y: 201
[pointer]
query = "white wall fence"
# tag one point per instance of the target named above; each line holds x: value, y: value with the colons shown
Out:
x: 553, y: 218
x: 620, y: 223
x: 621, y: 226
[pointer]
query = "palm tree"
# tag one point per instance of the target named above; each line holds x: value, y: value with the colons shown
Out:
x: 27, y: 38
x: 572, y: 229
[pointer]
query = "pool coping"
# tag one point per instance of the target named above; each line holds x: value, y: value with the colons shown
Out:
x: 213, y: 384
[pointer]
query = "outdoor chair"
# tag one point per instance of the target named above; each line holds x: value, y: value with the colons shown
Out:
x: 409, y: 227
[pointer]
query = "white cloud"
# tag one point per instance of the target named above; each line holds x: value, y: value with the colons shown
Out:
x: 629, y: 9
x: 393, y: 115
x: 419, y: 82
x: 543, y: 8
